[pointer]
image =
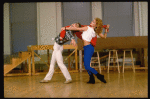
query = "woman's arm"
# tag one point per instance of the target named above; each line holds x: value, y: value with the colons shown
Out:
x: 105, y: 34
x: 106, y: 30
x: 75, y: 28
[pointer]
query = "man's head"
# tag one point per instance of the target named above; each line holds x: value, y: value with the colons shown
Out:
x: 76, y: 25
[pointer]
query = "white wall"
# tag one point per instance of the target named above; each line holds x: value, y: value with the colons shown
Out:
x: 6, y: 28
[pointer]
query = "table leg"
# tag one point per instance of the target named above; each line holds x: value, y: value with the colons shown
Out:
x: 145, y: 58
x: 33, y: 65
x: 69, y: 60
x: 80, y: 60
x: 48, y: 58
x: 76, y: 59
x: 29, y: 66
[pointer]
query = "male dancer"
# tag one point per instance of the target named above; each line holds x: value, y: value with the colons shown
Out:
x: 63, y: 37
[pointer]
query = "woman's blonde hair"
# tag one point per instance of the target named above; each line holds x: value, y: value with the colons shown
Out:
x: 99, y: 26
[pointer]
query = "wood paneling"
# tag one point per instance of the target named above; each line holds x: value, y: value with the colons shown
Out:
x: 119, y: 42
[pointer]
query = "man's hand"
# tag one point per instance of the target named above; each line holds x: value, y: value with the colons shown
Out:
x: 63, y: 28
x: 60, y: 38
x: 73, y: 42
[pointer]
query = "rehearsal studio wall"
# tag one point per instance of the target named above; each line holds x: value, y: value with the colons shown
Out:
x: 49, y: 21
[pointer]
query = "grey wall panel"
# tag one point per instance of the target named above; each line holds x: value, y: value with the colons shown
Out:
x: 76, y: 12
x: 23, y: 26
x: 120, y: 17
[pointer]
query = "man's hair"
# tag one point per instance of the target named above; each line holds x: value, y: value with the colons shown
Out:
x: 74, y: 31
x: 79, y: 24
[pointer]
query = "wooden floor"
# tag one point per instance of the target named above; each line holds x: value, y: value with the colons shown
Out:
x: 128, y: 84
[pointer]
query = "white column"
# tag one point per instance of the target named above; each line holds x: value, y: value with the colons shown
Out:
x: 140, y: 18
x: 136, y: 19
x: 38, y: 26
x: 96, y: 10
x: 144, y: 18
x: 58, y: 17
x: 6, y: 27
x: 48, y: 22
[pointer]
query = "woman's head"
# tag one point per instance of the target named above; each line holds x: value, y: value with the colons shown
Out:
x: 97, y: 23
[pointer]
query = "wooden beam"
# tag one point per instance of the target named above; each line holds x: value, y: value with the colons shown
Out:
x: 45, y: 47
x: 41, y: 59
x: 33, y: 65
x: 29, y: 66
x: 40, y: 47
x: 17, y: 74
x: 145, y: 58
x: 69, y: 55
x: 76, y: 58
x: 104, y: 56
x: 48, y: 58
x: 69, y: 60
x: 69, y: 47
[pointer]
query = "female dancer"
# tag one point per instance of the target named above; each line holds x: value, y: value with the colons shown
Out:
x: 90, y: 32
x: 63, y: 37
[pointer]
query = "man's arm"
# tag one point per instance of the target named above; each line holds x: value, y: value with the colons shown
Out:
x: 63, y: 33
x: 73, y: 42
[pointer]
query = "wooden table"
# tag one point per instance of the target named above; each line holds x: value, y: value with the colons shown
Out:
x: 50, y: 47
x: 138, y: 42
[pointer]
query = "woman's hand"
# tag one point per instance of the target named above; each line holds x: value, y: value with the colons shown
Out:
x: 108, y: 28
